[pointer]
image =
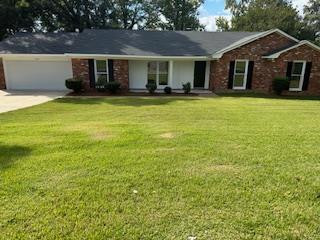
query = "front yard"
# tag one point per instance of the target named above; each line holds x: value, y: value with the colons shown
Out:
x: 161, y: 168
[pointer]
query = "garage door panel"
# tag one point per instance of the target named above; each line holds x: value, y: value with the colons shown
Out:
x: 42, y: 75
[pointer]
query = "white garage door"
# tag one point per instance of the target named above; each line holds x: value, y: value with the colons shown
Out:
x: 42, y: 75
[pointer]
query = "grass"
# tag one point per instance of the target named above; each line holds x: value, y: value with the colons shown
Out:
x: 161, y: 168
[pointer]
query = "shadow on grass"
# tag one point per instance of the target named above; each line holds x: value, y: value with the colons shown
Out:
x: 9, y: 154
x: 126, y: 101
x: 269, y: 96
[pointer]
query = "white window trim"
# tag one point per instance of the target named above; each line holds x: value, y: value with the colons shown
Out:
x: 157, y: 74
x: 244, y: 86
x: 301, y: 76
x: 96, y: 73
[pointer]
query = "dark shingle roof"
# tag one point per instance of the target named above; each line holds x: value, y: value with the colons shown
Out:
x: 38, y: 43
x: 123, y: 42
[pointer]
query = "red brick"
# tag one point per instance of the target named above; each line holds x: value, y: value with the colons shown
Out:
x: 80, y: 68
x: 2, y: 78
x: 264, y: 70
x: 121, y: 73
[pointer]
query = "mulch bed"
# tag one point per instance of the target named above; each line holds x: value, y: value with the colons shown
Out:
x: 94, y: 92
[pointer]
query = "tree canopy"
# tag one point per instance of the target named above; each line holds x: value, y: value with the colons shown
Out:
x: 76, y: 15
x: 73, y: 15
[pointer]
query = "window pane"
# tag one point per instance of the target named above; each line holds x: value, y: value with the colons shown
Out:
x: 152, y: 67
x: 240, y: 67
x: 152, y: 72
x: 102, y: 78
x: 101, y: 66
x: 297, y: 68
x: 163, y: 67
x: 294, y: 82
x: 238, y: 81
x: 163, y: 79
x: 152, y: 78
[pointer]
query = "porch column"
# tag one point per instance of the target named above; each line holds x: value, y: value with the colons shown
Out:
x: 170, y: 74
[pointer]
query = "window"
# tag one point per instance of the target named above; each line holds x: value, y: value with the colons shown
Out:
x: 101, y: 68
x: 158, y: 73
x: 240, y: 74
x: 297, y: 75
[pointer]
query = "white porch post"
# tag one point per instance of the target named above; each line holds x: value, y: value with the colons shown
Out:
x: 170, y: 73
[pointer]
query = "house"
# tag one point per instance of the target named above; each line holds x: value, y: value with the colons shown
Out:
x: 217, y: 61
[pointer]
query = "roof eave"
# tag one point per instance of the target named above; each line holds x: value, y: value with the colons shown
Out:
x: 220, y: 53
x: 301, y: 43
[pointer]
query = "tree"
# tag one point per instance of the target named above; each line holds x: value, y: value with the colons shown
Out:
x: 72, y: 15
x: 262, y: 15
x: 312, y: 20
x: 16, y: 15
x: 222, y: 24
x: 179, y: 14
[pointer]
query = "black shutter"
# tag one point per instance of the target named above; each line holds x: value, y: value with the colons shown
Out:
x: 306, y: 76
x: 91, y: 73
x: 110, y: 69
x: 231, y: 72
x: 289, y: 70
x: 250, y: 73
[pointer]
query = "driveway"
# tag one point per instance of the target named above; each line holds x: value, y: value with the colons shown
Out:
x: 12, y: 100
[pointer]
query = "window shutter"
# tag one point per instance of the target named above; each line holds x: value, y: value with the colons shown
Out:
x: 91, y: 73
x: 250, y: 73
x: 289, y: 70
x: 306, y: 76
x: 231, y: 72
x: 110, y: 70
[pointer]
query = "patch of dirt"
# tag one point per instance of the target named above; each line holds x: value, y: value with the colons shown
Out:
x: 101, y: 135
x: 168, y: 135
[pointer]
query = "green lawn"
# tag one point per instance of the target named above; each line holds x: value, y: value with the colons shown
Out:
x: 161, y: 168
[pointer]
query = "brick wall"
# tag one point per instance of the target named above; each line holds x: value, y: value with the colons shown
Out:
x: 121, y: 73
x: 263, y: 72
x: 2, y: 78
x: 308, y: 54
x: 80, y: 68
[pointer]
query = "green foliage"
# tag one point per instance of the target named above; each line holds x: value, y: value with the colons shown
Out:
x: 180, y: 14
x: 262, y: 15
x: 17, y: 15
x: 280, y: 84
x: 75, y: 84
x: 222, y: 24
x: 312, y: 20
x: 113, y: 87
x: 101, y: 83
x: 186, y: 87
x: 151, y: 87
x: 167, y: 90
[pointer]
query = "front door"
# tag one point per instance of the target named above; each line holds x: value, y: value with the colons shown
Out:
x: 199, y: 74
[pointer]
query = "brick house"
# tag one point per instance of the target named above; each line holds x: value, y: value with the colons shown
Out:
x: 216, y: 61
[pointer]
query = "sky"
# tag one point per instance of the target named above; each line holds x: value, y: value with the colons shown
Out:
x: 211, y: 9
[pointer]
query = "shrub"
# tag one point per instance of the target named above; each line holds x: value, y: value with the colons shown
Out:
x: 75, y: 84
x: 113, y: 87
x: 167, y: 90
x: 186, y: 87
x: 101, y: 83
x: 152, y: 87
x: 280, y: 84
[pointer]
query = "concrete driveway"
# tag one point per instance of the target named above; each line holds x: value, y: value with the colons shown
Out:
x: 12, y: 100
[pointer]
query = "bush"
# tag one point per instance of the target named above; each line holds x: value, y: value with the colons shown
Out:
x: 280, y: 84
x: 186, y: 87
x: 75, y: 84
x: 113, y: 87
x: 152, y: 87
x: 101, y: 83
x: 167, y: 90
